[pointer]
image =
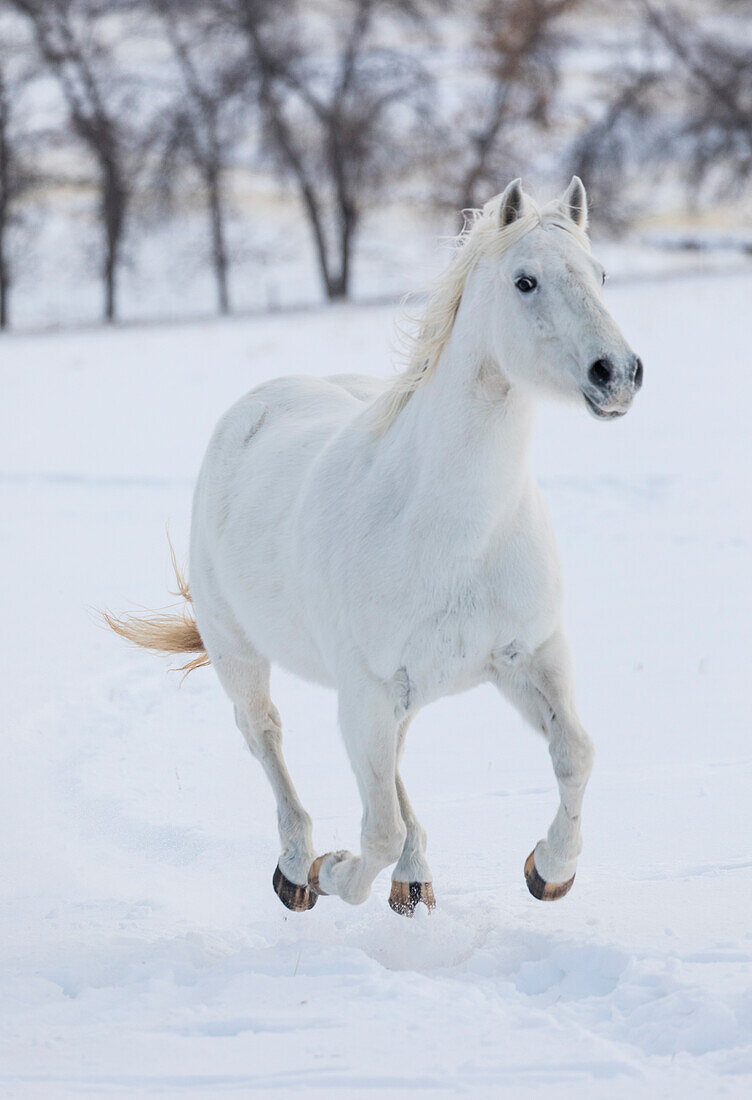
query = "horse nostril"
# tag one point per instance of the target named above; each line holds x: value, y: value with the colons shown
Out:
x: 600, y: 373
x: 638, y: 373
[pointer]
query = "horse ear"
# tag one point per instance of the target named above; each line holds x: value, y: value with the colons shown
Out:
x: 510, y: 206
x: 574, y: 202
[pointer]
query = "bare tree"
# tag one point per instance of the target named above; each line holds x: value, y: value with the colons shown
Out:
x: 65, y: 33
x: 619, y: 141
x: 338, y: 111
x: 206, y: 118
x: 16, y: 175
x: 713, y: 70
x: 516, y: 47
x: 8, y: 190
x: 680, y: 107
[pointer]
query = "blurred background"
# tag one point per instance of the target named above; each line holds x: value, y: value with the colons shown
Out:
x: 175, y: 158
x: 164, y: 162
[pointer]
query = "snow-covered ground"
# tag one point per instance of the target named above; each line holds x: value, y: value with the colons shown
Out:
x: 143, y: 951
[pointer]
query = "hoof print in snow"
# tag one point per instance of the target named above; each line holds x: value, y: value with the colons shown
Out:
x: 297, y: 898
x: 539, y: 888
x: 404, y: 897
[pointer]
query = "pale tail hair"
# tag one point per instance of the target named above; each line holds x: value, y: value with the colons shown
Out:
x: 482, y: 235
x: 164, y: 630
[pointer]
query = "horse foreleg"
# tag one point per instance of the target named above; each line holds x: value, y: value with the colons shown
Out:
x: 542, y: 689
x: 370, y: 732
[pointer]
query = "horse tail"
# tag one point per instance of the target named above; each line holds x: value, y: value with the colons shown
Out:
x: 165, y: 631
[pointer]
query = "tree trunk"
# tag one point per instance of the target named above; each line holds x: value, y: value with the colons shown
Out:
x: 220, y: 261
x: 4, y: 279
x: 311, y: 208
x: 113, y: 204
x: 110, y: 285
x: 4, y: 206
x: 338, y: 287
x: 308, y: 196
x: 289, y: 153
x: 4, y: 291
x: 4, y: 263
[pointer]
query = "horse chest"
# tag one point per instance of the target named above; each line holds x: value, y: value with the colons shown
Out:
x: 512, y: 603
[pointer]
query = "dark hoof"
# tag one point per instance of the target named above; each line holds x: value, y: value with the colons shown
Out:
x: 297, y: 898
x: 313, y: 876
x: 539, y: 888
x: 405, y: 896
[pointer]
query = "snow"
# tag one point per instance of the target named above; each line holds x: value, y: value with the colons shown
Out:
x: 142, y: 949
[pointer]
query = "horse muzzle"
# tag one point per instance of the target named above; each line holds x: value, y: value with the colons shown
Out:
x: 611, y: 391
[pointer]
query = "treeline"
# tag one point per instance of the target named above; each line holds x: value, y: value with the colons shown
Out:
x: 353, y: 101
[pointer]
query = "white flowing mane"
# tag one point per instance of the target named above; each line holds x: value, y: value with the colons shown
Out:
x: 482, y: 235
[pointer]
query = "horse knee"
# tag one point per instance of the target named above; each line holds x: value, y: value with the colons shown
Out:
x: 573, y: 756
x: 588, y: 753
x: 583, y: 755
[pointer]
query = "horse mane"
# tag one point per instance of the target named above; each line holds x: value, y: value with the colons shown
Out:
x: 481, y: 235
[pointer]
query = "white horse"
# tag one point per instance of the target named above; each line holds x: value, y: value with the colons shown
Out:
x: 389, y: 540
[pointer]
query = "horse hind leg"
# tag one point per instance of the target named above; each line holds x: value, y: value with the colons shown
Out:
x: 258, y: 721
x: 245, y: 678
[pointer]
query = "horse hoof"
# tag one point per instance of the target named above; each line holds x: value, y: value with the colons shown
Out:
x: 405, y: 896
x: 298, y: 898
x: 313, y: 876
x: 539, y: 888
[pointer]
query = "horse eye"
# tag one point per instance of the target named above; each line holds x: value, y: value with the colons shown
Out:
x: 604, y: 277
x: 526, y: 283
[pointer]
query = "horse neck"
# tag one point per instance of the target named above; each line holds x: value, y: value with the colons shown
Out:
x: 468, y: 433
